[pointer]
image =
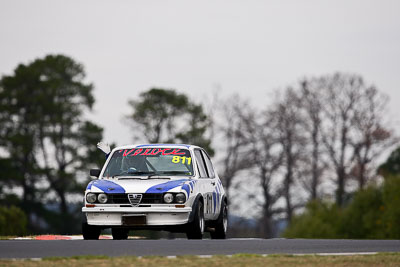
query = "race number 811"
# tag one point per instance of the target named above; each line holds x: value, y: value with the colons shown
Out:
x: 178, y: 159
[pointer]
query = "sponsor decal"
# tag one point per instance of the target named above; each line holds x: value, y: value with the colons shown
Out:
x: 187, y: 189
x: 183, y: 160
x: 89, y: 186
x: 151, y: 152
x: 165, y: 187
x: 106, y: 186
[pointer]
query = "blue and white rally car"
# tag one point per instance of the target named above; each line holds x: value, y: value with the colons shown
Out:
x: 156, y: 186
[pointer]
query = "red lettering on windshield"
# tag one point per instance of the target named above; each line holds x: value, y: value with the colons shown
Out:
x: 146, y: 153
x: 176, y: 152
x: 137, y: 152
x: 152, y: 152
x: 125, y: 152
x: 155, y: 151
x: 162, y: 151
x: 165, y: 153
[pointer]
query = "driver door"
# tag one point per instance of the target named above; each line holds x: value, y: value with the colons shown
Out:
x: 207, y: 185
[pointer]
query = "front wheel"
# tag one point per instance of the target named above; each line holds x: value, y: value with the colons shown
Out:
x: 221, y: 225
x: 196, y: 228
x: 119, y: 233
x: 90, y: 232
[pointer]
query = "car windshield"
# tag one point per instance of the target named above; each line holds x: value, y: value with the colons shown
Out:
x: 150, y: 162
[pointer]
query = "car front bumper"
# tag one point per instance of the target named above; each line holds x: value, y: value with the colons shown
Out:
x: 155, y: 216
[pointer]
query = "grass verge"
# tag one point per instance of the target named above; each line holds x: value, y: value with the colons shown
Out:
x: 381, y: 259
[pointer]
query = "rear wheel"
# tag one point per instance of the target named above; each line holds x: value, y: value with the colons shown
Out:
x: 119, y: 233
x: 90, y: 232
x: 221, y: 225
x: 196, y: 228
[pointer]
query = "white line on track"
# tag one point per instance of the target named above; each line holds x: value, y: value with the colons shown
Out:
x: 171, y: 257
x: 263, y: 255
x: 338, y: 254
x: 296, y: 254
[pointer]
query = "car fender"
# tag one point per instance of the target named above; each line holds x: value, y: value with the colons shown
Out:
x: 198, y: 198
x: 224, y: 200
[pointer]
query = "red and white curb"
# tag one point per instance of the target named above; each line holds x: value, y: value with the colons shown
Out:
x: 58, y: 237
x: 65, y: 237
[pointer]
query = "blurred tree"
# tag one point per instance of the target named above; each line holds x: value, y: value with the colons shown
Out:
x: 234, y: 155
x: 197, y: 128
x: 165, y: 116
x: 353, y: 130
x: 391, y: 207
x: 44, y: 136
x: 373, y: 213
x: 267, y: 157
x: 392, y: 164
x: 19, y: 131
x: 320, y: 220
x: 310, y: 109
x: 156, y: 113
x: 373, y: 135
x: 285, y: 119
x: 341, y: 94
x: 363, y: 216
x: 13, y: 221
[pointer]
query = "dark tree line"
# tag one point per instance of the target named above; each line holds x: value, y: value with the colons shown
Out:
x: 166, y: 116
x: 46, y: 144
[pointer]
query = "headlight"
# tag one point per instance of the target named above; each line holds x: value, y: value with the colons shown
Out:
x: 102, y: 198
x: 180, y: 198
x: 168, y: 198
x: 91, y: 198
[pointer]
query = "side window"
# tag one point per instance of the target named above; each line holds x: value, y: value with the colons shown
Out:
x: 200, y: 164
x: 209, y: 165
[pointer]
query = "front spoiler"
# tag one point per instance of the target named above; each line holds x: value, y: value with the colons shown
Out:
x: 155, y: 216
x: 137, y: 209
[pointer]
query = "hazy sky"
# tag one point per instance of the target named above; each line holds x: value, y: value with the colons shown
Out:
x: 246, y: 47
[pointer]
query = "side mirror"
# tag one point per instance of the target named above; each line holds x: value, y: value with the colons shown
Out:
x: 104, y: 147
x: 95, y: 172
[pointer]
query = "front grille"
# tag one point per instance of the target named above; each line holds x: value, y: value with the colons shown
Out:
x: 149, y: 198
x: 134, y: 199
x: 152, y: 198
x: 118, y: 198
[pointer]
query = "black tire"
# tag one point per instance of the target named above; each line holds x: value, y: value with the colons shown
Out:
x: 221, y: 225
x: 195, y: 229
x: 119, y: 233
x: 90, y: 232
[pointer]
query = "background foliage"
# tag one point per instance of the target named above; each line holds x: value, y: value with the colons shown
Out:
x: 13, y: 221
x: 47, y: 145
x: 312, y: 147
x: 373, y: 213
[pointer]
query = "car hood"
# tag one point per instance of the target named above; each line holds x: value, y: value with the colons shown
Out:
x: 115, y: 186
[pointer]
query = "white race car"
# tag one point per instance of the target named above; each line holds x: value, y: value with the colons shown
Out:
x: 156, y: 186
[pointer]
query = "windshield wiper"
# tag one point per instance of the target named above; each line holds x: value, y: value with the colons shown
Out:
x: 168, y: 172
x: 151, y: 174
x: 174, y: 172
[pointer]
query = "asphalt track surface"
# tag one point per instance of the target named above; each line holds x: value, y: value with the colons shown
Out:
x: 65, y: 248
